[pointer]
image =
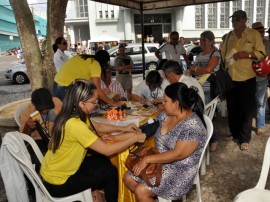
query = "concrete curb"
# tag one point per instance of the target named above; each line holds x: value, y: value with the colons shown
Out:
x: 9, y: 121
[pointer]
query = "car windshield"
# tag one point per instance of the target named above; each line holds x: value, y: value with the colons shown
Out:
x: 112, y: 50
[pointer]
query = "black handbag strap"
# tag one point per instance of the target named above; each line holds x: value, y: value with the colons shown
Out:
x: 222, y: 61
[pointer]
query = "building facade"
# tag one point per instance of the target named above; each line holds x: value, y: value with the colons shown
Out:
x: 9, y: 37
x: 87, y: 20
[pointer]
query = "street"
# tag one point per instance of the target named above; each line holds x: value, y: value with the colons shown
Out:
x: 10, y: 92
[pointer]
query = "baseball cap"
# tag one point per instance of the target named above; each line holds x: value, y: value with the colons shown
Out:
x: 258, y: 26
x: 239, y: 14
x: 42, y: 99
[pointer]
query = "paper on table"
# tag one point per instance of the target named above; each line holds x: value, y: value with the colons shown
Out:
x: 203, y: 78
x: 117, y: 122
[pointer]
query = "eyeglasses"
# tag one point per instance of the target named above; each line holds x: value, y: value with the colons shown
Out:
x: 64, y: 43
x: 94, y: 102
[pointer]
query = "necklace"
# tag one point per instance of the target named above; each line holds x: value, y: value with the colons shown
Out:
x: 153, y: 93
x: 46, y: 122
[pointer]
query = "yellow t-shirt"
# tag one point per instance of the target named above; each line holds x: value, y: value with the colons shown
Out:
x: 57, y: 167
x: 250, y: 41
x: 77, y: 68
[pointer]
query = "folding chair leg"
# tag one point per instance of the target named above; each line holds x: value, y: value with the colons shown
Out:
x: 184, y: 198
x: 207, y: 156
x: 198, y: 190
x: 203, y: 166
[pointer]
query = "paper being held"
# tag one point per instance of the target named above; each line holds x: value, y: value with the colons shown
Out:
x: 229, y: 58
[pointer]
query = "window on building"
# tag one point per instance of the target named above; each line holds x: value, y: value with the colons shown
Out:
x: 100, y: 14
x: 199, y: 16
x: 260, y: 8
x: 106, y: 14
x: 212, y: 13
x: 224, y: 13
x: 112, y: 13
x: 249, y: 10
x: 81, y: 8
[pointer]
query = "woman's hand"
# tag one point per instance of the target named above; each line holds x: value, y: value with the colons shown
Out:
x: 193, y: 70
x: 131, y: 127
x: 137, y: 169
x: 107, y: 138
x: 140, y: 137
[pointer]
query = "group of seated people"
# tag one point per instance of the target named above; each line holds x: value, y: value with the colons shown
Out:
x: 76, y: 157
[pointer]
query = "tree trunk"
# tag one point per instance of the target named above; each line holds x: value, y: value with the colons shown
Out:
x: 41, y: 69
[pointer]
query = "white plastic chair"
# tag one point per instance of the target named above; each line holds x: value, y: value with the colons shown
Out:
x: 23, y: 158
x: 258, y: 193
x: 18, y: 112
x: 209, y: 126
x: 209, y: 110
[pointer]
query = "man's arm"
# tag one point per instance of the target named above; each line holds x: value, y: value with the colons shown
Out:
x: 158, y: 54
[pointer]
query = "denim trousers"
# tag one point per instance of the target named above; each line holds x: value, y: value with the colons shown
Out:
x: 260, y: 101
x: 59, y: 91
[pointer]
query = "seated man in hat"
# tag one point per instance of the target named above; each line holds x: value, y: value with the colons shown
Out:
x: 45, y: 107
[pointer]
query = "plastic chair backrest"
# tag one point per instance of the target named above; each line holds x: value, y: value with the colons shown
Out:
x: 18, y: 112
x: 210, y: 128
x: 265, y: 167
x: 24, y: 159
x: 210, y: 108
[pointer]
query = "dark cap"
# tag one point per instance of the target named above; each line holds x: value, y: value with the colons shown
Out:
x: 42, y: 99
x: 102, y: 57
x: 239, y: 14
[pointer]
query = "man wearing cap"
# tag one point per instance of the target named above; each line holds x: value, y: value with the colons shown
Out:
x: 241, y: 47
x: 261, y: 86
x: 48, y: 107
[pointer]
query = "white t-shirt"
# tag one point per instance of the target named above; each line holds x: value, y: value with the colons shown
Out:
x: 190, y: 81
x: 59, y: 59
x: 143, y: 91
x: 172, y: 52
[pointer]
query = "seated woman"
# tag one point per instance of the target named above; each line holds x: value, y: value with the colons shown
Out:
x: 151, y: 89
x: 65, y: 170
x: 180, y: 140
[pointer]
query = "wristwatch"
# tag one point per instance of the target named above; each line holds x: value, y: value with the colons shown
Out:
x: 249, y: 55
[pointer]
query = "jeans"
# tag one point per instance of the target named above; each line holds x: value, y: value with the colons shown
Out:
x: 59, y: 91
x: 260, y: 100
x: 241, y: 108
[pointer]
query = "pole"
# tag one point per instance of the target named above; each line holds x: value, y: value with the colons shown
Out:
x: 142, y: 33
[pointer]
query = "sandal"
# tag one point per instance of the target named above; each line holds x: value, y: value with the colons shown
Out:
x: 213, y: 146
x: 244, y: 146
x: 229, y: 138
x: 260, y: 131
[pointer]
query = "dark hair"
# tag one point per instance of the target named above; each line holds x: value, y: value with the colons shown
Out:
x: 58, y: 40
x: 79, y: 90
x: 188, y: 98
x: 173, y: 33
x: 208, y: 35
x: 101, y: 56
x: 42, y: 99
x: 161, y: 63
x: 172, y: 66
x: 153, y: 77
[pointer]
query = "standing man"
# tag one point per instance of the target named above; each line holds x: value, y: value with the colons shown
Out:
x: 173, y: 50
x: 261, y: 86
x: 241, y: 47
x: 123, y: 65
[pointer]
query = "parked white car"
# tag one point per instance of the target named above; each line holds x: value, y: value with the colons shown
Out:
x: 134, y: 50
x: 18, y: 72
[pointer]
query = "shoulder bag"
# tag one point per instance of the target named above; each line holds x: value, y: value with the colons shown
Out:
x: 221, y: 80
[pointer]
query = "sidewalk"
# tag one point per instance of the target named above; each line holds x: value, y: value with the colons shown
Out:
x: 230, y: 171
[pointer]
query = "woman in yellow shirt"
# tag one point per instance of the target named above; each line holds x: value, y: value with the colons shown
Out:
x: 65, y: 170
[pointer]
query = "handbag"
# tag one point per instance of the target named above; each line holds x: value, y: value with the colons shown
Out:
x: 221, y: 81
x: 151, y: 170
x: 262, y: 67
